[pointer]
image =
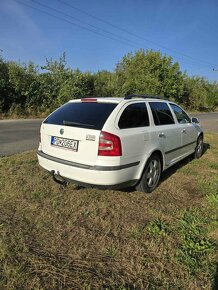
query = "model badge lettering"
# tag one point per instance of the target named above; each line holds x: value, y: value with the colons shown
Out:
x: 90, y: 137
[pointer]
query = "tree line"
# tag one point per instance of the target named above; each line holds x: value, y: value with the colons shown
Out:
x: 27, y: 89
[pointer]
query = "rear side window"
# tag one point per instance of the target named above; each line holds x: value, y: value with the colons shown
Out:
x: 135, y: 115
x: 161, y: 113
x: 83, y: 115
x: 181, y: 116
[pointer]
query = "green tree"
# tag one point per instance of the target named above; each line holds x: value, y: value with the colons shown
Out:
x: 103, y: 84
x: 77, y: 85
x: 148, y: 72
x: 5, y: 89
x: 212, y: 95
x: 196, y: 92
x: 26, y: 89
x: 56, y: 73
x: 23, y: 86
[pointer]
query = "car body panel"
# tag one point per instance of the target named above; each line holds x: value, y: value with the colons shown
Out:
x: 87, y: 149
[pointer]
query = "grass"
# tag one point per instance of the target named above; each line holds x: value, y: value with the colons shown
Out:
x: 76, y: 238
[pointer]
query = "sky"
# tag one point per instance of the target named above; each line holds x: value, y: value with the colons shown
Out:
x: 96, y: 34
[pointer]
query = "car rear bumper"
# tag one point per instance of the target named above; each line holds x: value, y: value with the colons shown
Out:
x: 101, y: 176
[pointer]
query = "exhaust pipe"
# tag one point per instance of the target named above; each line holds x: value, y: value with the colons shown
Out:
x: 58, y: 178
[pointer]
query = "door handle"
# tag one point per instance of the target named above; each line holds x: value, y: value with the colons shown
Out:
x: 183, y: 130
x: 161, y: 135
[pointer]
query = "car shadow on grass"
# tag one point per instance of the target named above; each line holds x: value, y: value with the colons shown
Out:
x: 206, y: 147
x: 170, y: 171
x: 166, y: 174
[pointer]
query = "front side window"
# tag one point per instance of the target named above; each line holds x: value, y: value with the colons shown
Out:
x: 135, y: 115
x: 161, y: 113
x: 181, y: 116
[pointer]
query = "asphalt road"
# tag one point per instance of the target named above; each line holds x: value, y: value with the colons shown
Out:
x: 18, y: 135
x: 209, y: 121
x: 22, y: 135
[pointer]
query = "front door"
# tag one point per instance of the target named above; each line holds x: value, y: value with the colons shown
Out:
x: 188, y: 132
x: 167, y: 131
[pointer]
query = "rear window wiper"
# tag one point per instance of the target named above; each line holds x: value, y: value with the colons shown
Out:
x: 69, y: 123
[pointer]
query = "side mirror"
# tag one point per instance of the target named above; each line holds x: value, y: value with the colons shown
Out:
x: 195, y: 120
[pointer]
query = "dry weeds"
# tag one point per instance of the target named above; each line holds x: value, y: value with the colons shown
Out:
x: 91, y: 239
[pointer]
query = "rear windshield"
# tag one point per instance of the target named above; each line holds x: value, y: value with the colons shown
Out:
x: 83, y: 115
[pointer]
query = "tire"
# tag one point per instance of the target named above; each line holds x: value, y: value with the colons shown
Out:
x: 199, y: 147
x: 151, y: 175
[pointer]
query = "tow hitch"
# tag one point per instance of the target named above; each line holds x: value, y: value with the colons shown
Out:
x: 59, y: 179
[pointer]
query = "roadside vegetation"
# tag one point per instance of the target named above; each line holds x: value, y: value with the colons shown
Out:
x: 30, y: 90
x: 76, y: 238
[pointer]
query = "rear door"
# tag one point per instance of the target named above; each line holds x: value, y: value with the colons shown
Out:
x: 133, y: 124
x: 72, y: 132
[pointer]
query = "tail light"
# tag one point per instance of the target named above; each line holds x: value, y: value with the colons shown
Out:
x: 109, y: 145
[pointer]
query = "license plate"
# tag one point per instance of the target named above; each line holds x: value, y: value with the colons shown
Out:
x: 65, y: 143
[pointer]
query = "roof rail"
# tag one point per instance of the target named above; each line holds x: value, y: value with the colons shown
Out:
x: 143, y: 96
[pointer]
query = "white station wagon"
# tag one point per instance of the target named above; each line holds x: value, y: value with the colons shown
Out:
x: 117, y: 142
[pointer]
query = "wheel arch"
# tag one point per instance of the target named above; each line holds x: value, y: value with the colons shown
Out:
x: 160, y: 154
x: 162, y: 160
x: 201, y: 134
x: 141, y: 184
